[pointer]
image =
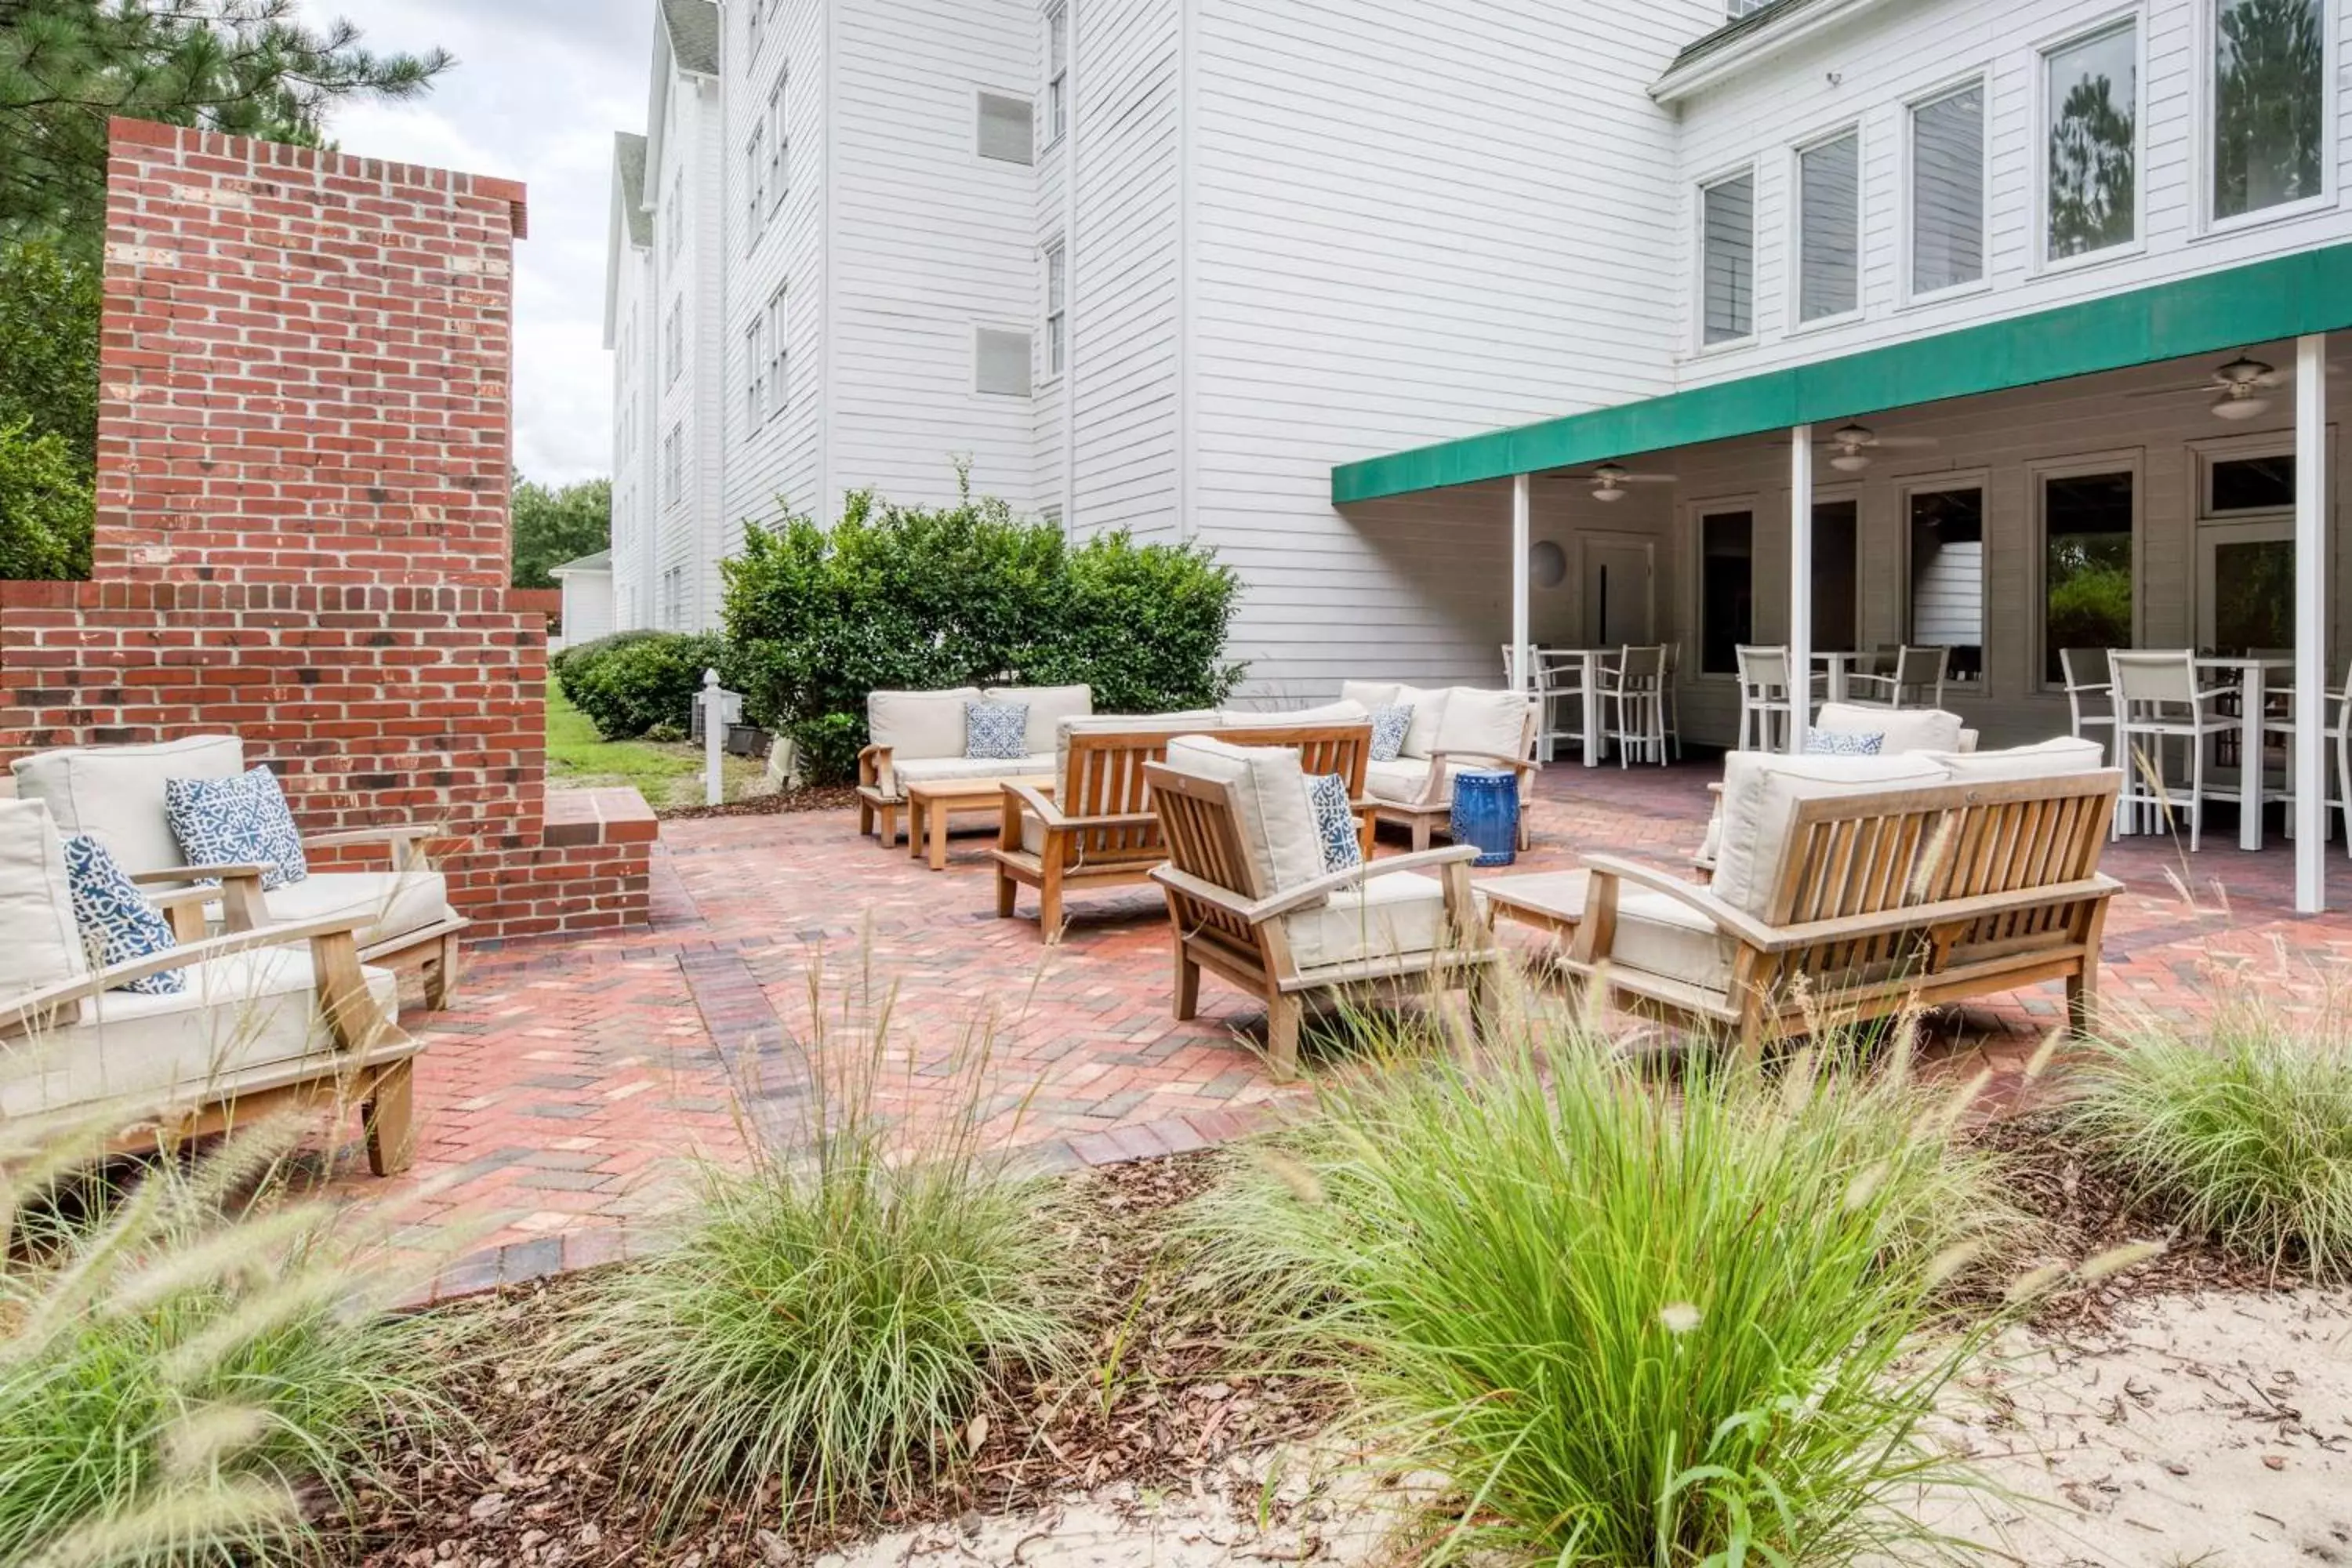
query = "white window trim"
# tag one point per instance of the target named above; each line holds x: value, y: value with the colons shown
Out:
x: 2205, y: 98
x: 780, y: 356
x: 2038, y: 473
x: 2044, y: 264
x: 755, y: 373
x: 780, y: 141
x: 1056, y: 90
x: 1696, y: 514
x: 1053, y: 248
x: 1979, y: 76
x: 1942, y: 482
x: 1699, y: 189
x: 2207, y: 450
x: 1798, y: 326
x: 756, y: 165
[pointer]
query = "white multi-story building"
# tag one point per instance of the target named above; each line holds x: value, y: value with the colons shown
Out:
x: 1362, y: 292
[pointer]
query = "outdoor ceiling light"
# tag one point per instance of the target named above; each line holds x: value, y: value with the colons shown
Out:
x: 2236, y: 405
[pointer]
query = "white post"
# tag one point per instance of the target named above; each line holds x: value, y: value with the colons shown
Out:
x: 1800, y: 582
x: 1519, y: 546
x: 2310, y: 781
x: 714, y: 737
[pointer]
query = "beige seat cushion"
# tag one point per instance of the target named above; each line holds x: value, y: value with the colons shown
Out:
x: 935, y: 770
x: 1761, y: 792
x: 244, y: 1021
x: 919, y: 724
x: 2054, y: 758
x: 1382, y: 917
x: 40, y: 946
x: 115, y: 793
x: 1271, y: 813
x: 1048, y: 706
x: 1477, y: 720
x: 1907, y: 730
x: 1400, y: 781
x: 394, y: 903
x: 1658, y: 935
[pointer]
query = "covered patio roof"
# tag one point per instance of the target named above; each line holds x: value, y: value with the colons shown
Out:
x: 2284, y: 297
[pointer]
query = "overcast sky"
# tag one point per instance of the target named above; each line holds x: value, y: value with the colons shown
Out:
x: 538, y: 91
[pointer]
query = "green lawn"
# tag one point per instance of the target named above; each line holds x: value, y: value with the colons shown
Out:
x: 666, y: 774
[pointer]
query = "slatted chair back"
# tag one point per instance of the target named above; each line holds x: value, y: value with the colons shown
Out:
x: 1854, y: 859
x: 1204, y: 840
x: 1108, y: 775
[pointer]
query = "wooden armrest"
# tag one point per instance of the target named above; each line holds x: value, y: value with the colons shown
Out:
x: 1498, y: 759
x: 1739, y: 924
x: 1208, y: 892
x: 1308, y: 894
x: 1033, y: 801
x: 172, y: 898
x: 404, y: 840
x: 1945, y: 911
x: 1109, y: 819
x: 32, y: 1007
x: 223, y: 871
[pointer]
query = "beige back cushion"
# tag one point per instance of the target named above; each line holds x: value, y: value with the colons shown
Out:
x: 1475, y: 720
x: 1270, y: 805
x: 1119, y: 724
x: 1905, y: 729
x: 1371, y: 693
x: 40, y: 944
x: 115, y: 793
x: 1340, y: 712
x: 1428, y: 703
x: 1761, y: 792
x: 920, y: 723
x: 1048, y: 706
x: 2056, y: 758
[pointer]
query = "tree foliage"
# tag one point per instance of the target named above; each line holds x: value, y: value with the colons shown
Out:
x: 244, y: 67
x: 556, y: 524
x: 45, y: 506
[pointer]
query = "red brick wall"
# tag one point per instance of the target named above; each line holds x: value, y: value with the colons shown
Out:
x: 303, y: 462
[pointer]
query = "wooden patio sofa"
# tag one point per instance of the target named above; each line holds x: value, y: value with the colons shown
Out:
x: 1454, y: 728
x: 1097, y: 827
x: 1851, y: 903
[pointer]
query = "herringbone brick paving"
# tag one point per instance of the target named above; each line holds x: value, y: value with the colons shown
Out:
x: 555, y: 1099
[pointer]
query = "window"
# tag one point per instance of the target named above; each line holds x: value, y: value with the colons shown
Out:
x: 780, y: 395
x: 1948, y: 190
x: 673, y: 215
x: 755, y: 377
x: 1004, y: 133
x: 673, y: 342
x: 2269, y: 57
x: 1947, y: 538
x: 672, y: 475
x: 1727, y: 589
x: 1057, y: 71
x: 2090, y: 100
x: 1829, y: 228
x: 1000, y: 362
x: 2235, y: 485
x: 1728, y: 260
x: 673, y: 587
x: 753, y: 15
x: 2086, y: 571
x: 1837, y: 581
x: 780, y: 141
x: 755, y: 179
x: 1050, y: 515
x: 1057, y: 283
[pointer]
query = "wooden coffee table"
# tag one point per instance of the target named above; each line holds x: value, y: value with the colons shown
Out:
x: 928, y: 805
x: 1549, y: 900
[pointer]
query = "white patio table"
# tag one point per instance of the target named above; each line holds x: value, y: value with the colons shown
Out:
x: 2251, y: 676
x: 1586, y: 661
x: 1837, y: 664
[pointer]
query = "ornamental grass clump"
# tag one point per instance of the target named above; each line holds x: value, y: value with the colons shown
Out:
x: 1636, y: 1323
x: 185, y: 1357
x: 829, y: 1316
x: 2242, y: 1132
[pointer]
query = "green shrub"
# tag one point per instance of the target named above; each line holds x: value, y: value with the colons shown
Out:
x: 830, y: 1317
x: 1636, y: 1325
x: 632, y: 681
x: 45, y: 507
x: 180, y: 1367
x: 2244, y: 1133
x: 914, y: 598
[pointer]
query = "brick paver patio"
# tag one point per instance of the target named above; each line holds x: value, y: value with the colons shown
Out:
x: 554, y: 1098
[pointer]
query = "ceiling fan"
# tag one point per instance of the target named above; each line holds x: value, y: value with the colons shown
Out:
x: 1850, y: 444
x: 1609, y: 479
x: 2241, y: 383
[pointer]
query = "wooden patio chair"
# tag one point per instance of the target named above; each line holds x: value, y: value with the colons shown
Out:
x: 1248, y: 898
x: 1098, y: 829
x: 1852, y: 902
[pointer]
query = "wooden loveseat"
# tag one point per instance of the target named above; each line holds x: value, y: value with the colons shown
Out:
x: 1452, y: 729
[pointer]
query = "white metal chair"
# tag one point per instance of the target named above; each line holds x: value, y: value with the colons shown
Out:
x: 1916, y: 681
x: 1633, y: 703
x: 1767, y: 695
x: 1560, y: 695
x: 2157, y: 700
x: 2337, y: 729
x: 2088, y: 680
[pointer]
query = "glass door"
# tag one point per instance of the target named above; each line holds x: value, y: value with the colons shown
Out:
x: 2246, y: 588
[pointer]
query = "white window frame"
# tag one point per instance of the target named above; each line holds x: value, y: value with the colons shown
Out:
x: 1696, y: 514
x: 1056, y: 333
x: 755, y: 177
x: 2044, y: 264
x: 1980, y: 79
x: 755, y: 374
x: 1943, y: 481
x: 1753, y: 172
x: 674, y: 344
x: 1058, y: 73
x: 2207, y: 99
x: 673, y: 474
x: 780, y: 358
x: 2038, y: 473
x: 780, y: 141
x: 1796, y: 237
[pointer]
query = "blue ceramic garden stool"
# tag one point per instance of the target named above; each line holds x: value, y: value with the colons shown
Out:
x: 1487, y: 814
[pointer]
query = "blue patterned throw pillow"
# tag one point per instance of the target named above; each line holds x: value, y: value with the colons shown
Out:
x: 998, y: 731
x: 1838, y: 744
x: 1389, y: 727
x: 116, y: 921
x: 240, y: 820
x: 1335, y: 823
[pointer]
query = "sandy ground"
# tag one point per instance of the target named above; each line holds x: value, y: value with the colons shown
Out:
x: 2199, y: 1432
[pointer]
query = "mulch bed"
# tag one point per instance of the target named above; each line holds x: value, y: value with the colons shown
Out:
x: 538, y: 1483
x: 816, y: 797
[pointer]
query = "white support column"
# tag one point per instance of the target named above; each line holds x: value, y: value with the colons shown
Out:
x: 1801, y: 582
x: 1520, y: 542
x: 2310, y: 755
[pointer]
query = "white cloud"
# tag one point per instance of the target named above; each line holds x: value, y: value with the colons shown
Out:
x: 540, y: 87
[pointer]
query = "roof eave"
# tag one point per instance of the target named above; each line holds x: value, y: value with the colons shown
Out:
x: 1717, y: 65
